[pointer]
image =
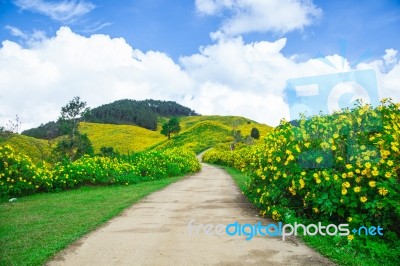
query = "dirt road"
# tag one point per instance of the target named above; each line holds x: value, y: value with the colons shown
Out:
x: 155, y: 231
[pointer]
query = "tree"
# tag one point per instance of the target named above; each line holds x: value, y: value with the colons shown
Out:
x: 70, y: 115
x: 255, y: 134
x: 13, y: 126
x: 80, y: 146
x: 237, y: 136
x: 76, y: 144
x: 171, y: 127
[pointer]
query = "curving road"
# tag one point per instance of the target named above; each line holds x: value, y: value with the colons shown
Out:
x: 155, y: 231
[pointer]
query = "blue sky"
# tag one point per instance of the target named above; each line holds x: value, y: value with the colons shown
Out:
x: 228, y: 57
x: 177, y: 29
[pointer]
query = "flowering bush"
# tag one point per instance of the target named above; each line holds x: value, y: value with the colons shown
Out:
x: 239, y: 158
x: 20, y: 176
x: 342, y: 167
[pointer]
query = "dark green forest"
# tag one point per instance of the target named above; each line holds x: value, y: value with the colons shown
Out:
x: 127, y: 112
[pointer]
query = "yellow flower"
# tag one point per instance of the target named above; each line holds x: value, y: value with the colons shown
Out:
x: 302, y: 183
x: 357, y: 189
x: 372, y: 183
x: 382, y: 191
x: 344, y: 191
x: 349, y: 166
x: 333, y: 147
x: 350, y: 174
x: 390, y: 163
x: 336, y: 135
x: 319, y: 159
x: 363, y: 199
x: 388, y: 174
x: 364, y: 172
x: 350, y: 237
x: 349, y: 219
x: 375, y: 172
x: 346, y: 184
x: 315, y: 210
x: 368, y: 165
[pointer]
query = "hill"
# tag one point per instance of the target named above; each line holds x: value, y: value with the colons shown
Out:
x: 141, y: 113
x: 198, y: 133
x: 123, y: 138
x: 37, y: 149
x: 122, y: 112
x: 239, y: 123
x: 202, y: 132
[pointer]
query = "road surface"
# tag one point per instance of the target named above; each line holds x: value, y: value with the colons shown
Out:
x: 155, y: 231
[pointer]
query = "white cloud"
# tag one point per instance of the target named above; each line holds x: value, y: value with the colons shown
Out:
x: 28, y: 38
x: 16, y: 32
x: 229, y: 77
x: 65, y: 11
x: 390, y: 56
x: 36, y: 81
x: 246, y: 16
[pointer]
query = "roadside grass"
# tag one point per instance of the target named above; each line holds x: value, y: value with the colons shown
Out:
x: 35, y: 228
x: 366, y: 251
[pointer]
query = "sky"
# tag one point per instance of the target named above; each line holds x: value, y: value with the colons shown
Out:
x: 262, y: 59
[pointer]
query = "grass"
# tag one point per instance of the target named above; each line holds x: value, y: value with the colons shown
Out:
x: 34, y: 228
x: 368, y: 251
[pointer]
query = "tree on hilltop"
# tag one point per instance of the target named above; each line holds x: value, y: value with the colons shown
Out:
x: 255, y: 134
x: 76, y: 144
x: 171, y: 127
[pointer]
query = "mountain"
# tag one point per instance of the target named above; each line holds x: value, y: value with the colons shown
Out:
x: 141, y: 113
x: 122, y: 112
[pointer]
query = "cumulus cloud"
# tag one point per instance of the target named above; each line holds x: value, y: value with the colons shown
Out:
x: 246, y: 16
x: 65, y: 11
x: 36, y: 81
x: 228, y: 77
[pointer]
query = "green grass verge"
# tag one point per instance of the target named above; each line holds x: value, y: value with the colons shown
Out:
x: 367, y: 251
x: 34, y: 228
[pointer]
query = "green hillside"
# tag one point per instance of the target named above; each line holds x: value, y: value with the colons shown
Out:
x: 37, y: 149
x: 199, y: 137
x: 145, y: 114
x: 240, y: 123
x: 198, y: 133
x: 202, y: 132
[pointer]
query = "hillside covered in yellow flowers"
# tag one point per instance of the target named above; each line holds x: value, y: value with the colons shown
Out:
x: 198, y: 133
